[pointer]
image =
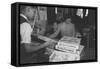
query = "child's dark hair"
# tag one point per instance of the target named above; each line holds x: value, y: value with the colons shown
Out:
x: 60, y: 20
x: 23, y: 8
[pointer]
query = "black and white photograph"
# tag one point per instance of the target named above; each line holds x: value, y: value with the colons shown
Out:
x: 54, y: 34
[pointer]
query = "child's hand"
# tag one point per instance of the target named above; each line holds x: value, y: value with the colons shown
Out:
x: 78, y: 34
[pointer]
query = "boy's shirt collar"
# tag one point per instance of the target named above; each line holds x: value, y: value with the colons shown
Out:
x: 22, y: 15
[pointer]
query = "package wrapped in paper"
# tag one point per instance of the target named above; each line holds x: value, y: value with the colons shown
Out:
x: 75, y: 42
x: 68, y: 43
x: 58, y: 56
x: 65, y: 47
x: 70, y: 49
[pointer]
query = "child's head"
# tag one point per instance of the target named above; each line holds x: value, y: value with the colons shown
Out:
x: 28, y: 11
x: 68, y: 20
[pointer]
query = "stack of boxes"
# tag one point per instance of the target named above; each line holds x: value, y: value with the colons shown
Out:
x: 67, y: 49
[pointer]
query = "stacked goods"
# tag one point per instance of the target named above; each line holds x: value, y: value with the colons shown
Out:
x: 67, y: 49
x: 58, y: 56
x: 68, y: 44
